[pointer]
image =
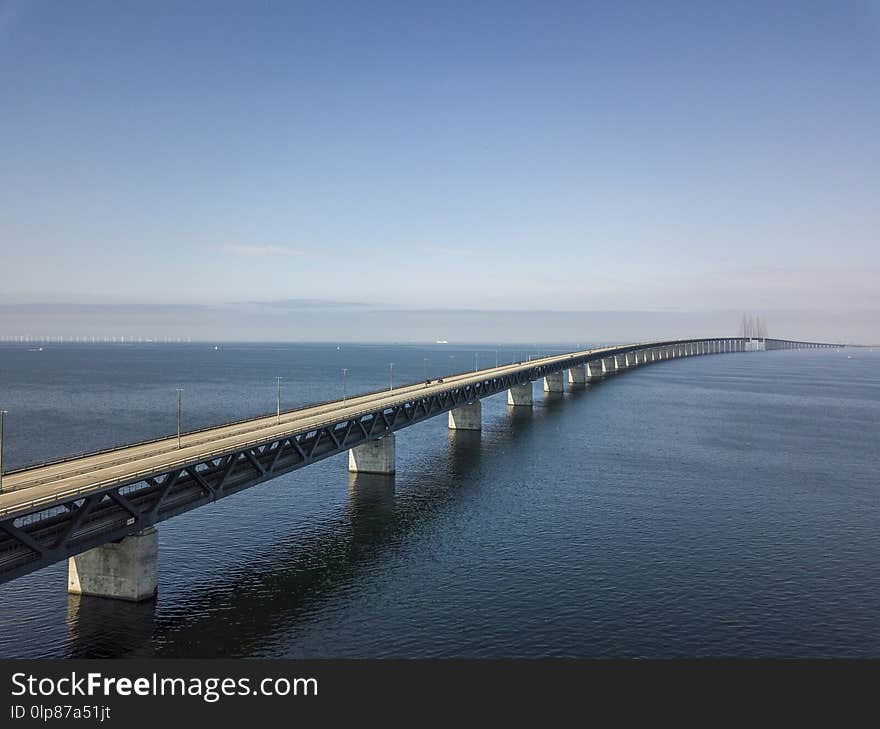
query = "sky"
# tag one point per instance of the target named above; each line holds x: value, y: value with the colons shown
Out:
x: 365, y: 165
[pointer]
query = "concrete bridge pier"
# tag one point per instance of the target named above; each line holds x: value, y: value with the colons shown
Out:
x: 123, y: 570
x: 620, y: 362
x: 466, y: 417
x: 594, y: 370
x: 577, y: 375
x: 609, y: 366
x: 375, y: 456
x: 520, y: 395
x: 554, y: 382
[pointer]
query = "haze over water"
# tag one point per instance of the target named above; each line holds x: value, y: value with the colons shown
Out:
x: 708, y: 506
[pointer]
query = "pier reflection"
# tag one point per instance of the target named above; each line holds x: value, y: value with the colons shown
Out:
x: 112, y: 628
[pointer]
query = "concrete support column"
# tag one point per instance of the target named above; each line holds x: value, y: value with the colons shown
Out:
x: 466, y: 417
x: 123, y: 570
x: 609, y: 366
x: 594, y: 370
x: 520, y: 395
x: 577, y: 375
x: 620, y: 362
x: 375, y: 456
x: 554, y: 382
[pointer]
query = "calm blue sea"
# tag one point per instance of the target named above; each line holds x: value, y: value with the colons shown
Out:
x: 710, y: 506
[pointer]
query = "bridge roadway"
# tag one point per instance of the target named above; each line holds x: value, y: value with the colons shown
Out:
x: 69, y: 508
x: 24, y: 489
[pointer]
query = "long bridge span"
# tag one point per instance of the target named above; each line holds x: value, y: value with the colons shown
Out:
x: 99, y: 510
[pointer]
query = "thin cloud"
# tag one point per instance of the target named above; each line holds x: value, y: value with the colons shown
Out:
x: 260, y: 250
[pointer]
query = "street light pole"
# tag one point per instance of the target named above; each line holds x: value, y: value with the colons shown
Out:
x: 2, y: 413
x: 277, y: 399
x: 179, y: 406
x: 476, y: 361
x: 451, y: 363
x: 344, y: 370
x: 391, y: 369
x: 426, y: 368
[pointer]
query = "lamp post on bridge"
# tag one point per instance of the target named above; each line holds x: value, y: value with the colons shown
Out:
x: 476, y: 361
x: 179, y: 407
x: 451, y: 363
x: 344, y: 371
x: 425, y: 363
x: 391, y: 371
x: 2, y: 413
x: 277, y: 400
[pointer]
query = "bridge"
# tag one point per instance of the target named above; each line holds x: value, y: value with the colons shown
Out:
x: 99, y: 510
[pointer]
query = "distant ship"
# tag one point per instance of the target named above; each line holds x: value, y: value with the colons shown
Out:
x: 441, y: 341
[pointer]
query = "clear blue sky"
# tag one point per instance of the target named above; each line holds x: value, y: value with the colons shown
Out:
x: 572, y: 155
